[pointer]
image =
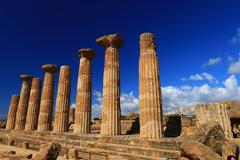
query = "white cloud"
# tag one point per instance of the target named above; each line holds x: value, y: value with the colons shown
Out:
x: 234, y: 67
x: 73, y: 105
x: 213, y: 61
x: 177, y: 97
x: 201, y: 77
x: 129, y: 103
x: 236, y: 38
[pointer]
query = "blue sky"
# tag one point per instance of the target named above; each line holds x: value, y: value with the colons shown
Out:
x: 198, y: 45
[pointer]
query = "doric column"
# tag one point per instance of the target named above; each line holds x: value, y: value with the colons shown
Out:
x: 111, y: 113
x: 63, y: 100
x: 46, y: 104
x: 12, y: 112
x: 150, y: 98
x: 84, y: 92
x: 23, y: 102
x: 33, y: 105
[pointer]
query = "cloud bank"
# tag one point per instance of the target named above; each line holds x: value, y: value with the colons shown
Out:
x: 177, y: 97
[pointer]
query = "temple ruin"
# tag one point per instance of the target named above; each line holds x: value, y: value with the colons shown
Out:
x: 149, y: 135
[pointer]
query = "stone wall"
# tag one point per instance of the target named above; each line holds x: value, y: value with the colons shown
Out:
x: 214, y: 112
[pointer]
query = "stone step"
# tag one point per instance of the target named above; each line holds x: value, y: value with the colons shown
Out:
x: 105, y: 144
x: 167, y: 143
x: 111, y: 147
x: 135, y: 150
x: 115, y: 155
x: 105, y: 151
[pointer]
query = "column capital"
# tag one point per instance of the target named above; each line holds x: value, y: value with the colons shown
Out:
x: 26, y: 77
x: 86, y: 53
x: 147, y: 41
x: 111, y: 40
x: 52, y: 68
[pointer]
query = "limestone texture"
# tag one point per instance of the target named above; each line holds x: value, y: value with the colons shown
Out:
x: 48, y: 152
x: 63, y: 100
x: 214, y: 112
x: 46, y: 104
x: 111, y: 112
x: 23, y: 102
x: 11, y: 119
x: 150, y: 98
x: 84, y: 92
x: 33, y: 105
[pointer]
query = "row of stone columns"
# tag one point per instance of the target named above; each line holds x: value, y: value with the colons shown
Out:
x: 150, y: 102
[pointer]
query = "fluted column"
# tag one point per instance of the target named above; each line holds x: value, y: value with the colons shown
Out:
x: 150, y: 99
x: 23, y: 102
x: 84, y: 92
x: 46, y: 104
x: 11, y: 119
x: 63, y: 100
x: 111, y: 113
x: 33, y: 105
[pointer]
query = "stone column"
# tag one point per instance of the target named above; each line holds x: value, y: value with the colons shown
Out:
x: 72, y: 115
x: 63, y: 100
x: 23, y: 102
x: 12, y: 112
x: 33, y: 105
x: 150, y: 98
x: 111, y: 113
x: 46, y: 104
x: 84, y: 92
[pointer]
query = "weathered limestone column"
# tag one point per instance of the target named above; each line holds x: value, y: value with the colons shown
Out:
x: 33, y: 105
x: 23, y: 102
x: 63, y: 100
x: 150, y: 98
x: 11, y: 119
x: 111, y: 113
x: 84, y: 92
x: 46, y: 104
x: 72, y: 115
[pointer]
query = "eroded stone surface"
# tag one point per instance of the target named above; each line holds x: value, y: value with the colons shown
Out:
x: 111, y: 124
x: 48, y: 152
x: 63, y: 100
x: 46, y: 104
x: 196, y: 151
x: 214, y: 112
x: 23, y: 102
x: 11, y: 119
x: 84, y: 92
x: 150, y: 98
x: 33, y: 105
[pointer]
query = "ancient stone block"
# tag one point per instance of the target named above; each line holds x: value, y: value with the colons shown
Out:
x: 48, y: 152
x: 214, y: 112
x: 196, y: 151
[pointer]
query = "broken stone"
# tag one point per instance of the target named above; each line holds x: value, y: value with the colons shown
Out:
x: 73, y: 154
x: 197, y: 151
x: 48, y: 152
